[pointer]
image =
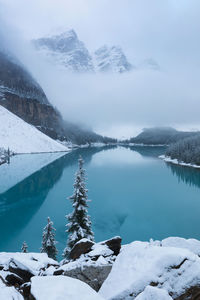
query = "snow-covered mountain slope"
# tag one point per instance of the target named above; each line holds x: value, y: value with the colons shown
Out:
x: 111, y: 59
x: 65, y: 50
x: 21, y: 137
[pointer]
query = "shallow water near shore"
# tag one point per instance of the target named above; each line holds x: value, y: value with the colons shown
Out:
x: 134, y: 194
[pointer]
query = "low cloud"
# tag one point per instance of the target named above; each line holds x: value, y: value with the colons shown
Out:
x: 111, y: 103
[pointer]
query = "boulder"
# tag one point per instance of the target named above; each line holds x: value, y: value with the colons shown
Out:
x: 114, y: 244
x: 82, y: 247
x: 142, y: 264
x: 62, y: 288
x: 91, y: 262
x: 14, y: 279
x: 93, y: 275
x: 20, y: 270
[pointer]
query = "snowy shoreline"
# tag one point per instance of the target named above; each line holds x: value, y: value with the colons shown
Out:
x: 167, y: 269
x: 144, y: 145
x: 176, y: 162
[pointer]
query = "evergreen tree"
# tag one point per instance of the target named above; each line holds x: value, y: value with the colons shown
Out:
x: 24, y: 247
x: 79, y: 225
x: 8, y: 156
x: 48, y: 240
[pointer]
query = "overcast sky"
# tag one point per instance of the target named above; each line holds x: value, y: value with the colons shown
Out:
x: 167, y: 31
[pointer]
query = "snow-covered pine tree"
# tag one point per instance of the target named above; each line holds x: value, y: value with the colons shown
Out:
x: 79, y: 225
x: 24, y: 247
x: 48, y: 240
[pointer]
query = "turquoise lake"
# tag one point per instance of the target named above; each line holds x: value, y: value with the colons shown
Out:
x: 134, y: 194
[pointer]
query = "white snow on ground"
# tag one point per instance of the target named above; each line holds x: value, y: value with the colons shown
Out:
x: 176, y: 162
x: 61, y: 288
x: 22, y: 137
x: 22, y: 166
x: 141, y: 263
x: 153, y: 293
x: 9, y: 293
x: 190, y: 244
x: 32, y: 262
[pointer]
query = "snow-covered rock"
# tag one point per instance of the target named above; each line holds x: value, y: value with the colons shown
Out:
x: 31, y: 262
x: 61, y: 288
x: 111, y: 59
x: 21, y: 137
x: 65, y: 50
x: 91, y: 262
x: 190, y: 244
x: 153, y: 293
x: 140, y: 264
x: 9, y: 293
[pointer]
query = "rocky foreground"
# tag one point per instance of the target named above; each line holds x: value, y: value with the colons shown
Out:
x: 167, y: 269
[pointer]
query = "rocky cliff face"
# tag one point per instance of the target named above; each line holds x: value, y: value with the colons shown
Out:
x: 43, y: 116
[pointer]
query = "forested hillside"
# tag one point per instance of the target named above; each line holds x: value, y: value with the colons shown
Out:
x: 186, y: 150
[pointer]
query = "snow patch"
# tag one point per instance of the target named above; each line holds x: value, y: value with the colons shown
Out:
x: 176, y: 162
x: 153, y: 293
x: 62, y: 288
x: 21, y: 137
x: 140, y: 264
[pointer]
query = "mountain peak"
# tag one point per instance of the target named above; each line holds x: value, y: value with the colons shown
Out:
x: 66, y: 51
x: 111, y: 59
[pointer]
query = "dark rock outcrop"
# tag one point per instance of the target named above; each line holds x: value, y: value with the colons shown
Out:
x: 14, y: 279
x: 80, y: 248
x: 25, y: 290
x: 114, y: 244
x: 193, y: 293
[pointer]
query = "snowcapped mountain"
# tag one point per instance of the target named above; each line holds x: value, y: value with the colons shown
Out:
x: 66, y: 50
x: 21, y: 137
x: 111, y: 59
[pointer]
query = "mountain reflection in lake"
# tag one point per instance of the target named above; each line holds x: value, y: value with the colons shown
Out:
x: 134, y: 194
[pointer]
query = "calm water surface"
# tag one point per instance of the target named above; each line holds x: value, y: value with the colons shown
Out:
x: 134, y: 194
